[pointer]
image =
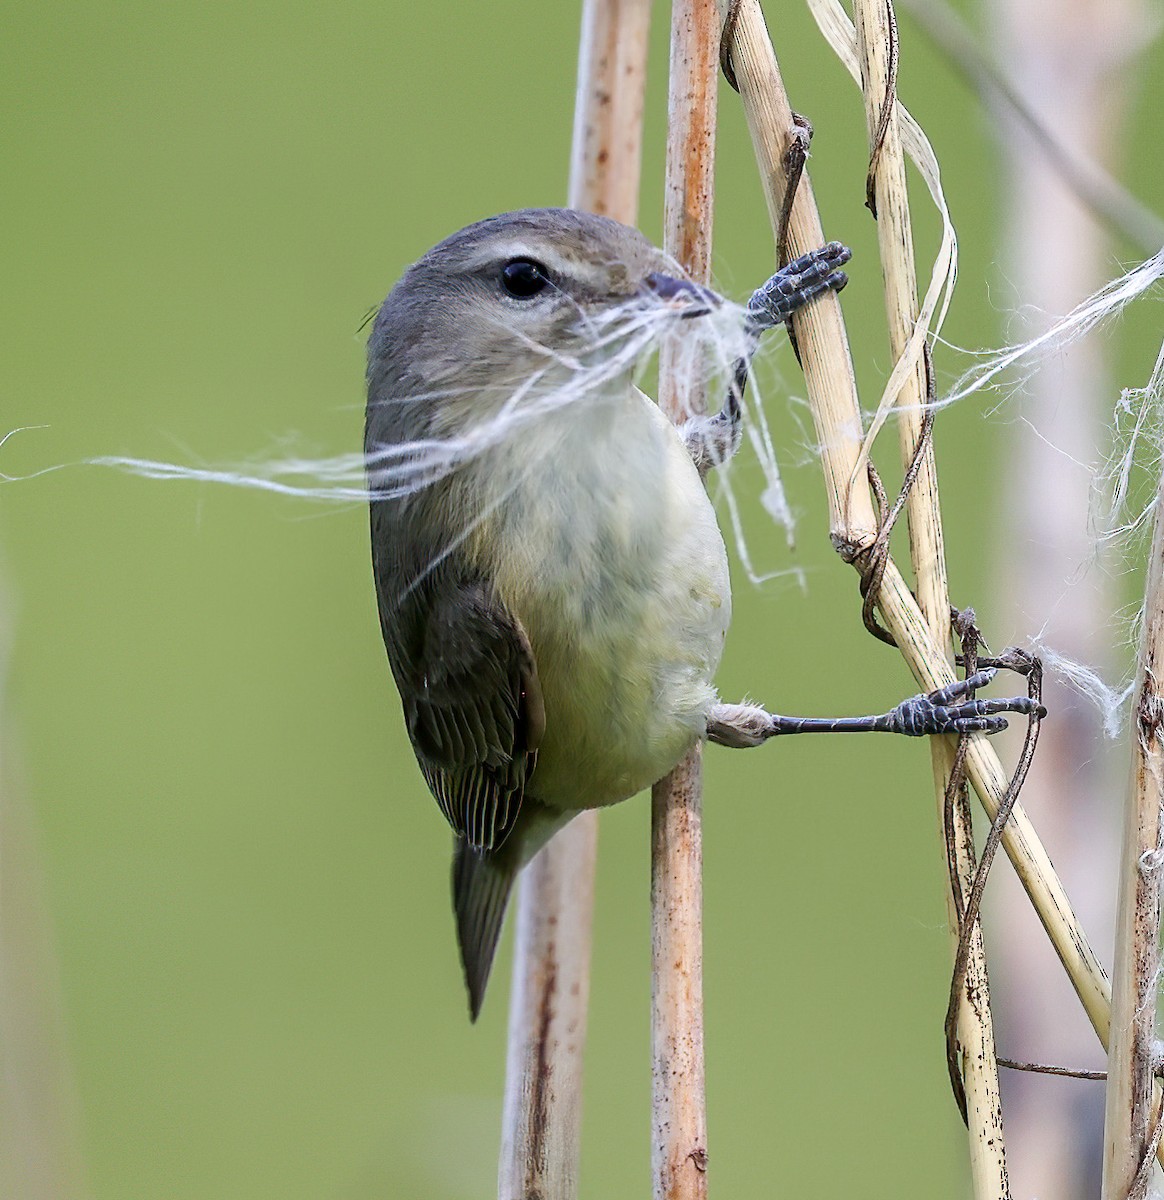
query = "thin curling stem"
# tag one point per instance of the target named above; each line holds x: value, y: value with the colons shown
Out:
x: 679, y: 1117
x: 836, y: 414
x: 541, y: 1128
x: 888, y: 199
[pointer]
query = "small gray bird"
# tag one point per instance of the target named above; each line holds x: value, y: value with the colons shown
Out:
x: 552, y: 582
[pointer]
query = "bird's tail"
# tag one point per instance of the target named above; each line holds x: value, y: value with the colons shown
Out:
x: 481, y: 886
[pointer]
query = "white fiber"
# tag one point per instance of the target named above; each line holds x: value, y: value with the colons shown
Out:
x: 620, y: 343
x: 1081, y: 320
x: 1110, y: 701
x: 1139, y: 435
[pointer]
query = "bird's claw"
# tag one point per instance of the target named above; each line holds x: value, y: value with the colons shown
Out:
x: 794, y: 285
x: 948, y: 711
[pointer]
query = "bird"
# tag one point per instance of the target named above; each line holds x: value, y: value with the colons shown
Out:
x: 551, y: 580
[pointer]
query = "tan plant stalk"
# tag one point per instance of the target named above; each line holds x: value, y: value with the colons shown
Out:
x: 832, y: 395
x: 820, y: 330
x: 875, y: 36
x: 679, y: 1142
x: 542, y: 1111
x: 541, y: 1122
x: 606, y: 154
x: 1131, y: 1114
x: 40, y: 1114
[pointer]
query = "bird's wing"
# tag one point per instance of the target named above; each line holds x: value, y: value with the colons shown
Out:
x: 472, y: 703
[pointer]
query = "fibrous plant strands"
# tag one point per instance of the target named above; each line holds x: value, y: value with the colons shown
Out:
x: 620, y: 348
x: 1139, y: 427
x: 1120, y: 513
x: 997, y: 368
x: 832, y: 393
x: 1110, y: 700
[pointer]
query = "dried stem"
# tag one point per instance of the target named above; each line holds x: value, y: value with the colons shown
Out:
x: 820, y: 330
x: 1131, y: 1111
x: 606, y: 159
x: 551, y: 976
x: 832, y: 395
x: 679, y: 1145
x: 876, y: 37
x: 40, y: 1142
x: 542, y: 1115
x: 678, y: 1108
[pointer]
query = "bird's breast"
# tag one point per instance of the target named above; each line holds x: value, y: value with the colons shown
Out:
x: 609, y: 553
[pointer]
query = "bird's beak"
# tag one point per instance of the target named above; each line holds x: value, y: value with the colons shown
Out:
x: 688, y: 299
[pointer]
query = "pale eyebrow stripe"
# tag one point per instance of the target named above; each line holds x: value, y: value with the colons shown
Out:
x: 538, y: 250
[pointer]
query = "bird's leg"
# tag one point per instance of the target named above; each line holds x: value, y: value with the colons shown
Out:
x: 945, y: 711
x: 713, y: 440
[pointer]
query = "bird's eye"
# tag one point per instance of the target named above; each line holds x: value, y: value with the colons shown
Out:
x: 523, y: 278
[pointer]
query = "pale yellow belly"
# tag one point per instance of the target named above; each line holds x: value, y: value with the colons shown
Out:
x: 616, y: 567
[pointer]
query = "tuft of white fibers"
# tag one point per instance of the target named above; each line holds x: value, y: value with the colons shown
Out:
x: 1138, y: 426
x: 1137, y: 455
x: 1111, y: 701
x: 997, y: 366
x: 1151, y: 861
x: 1138, y: 423
x: 722, y: 341
x: 618, y: 344
x: 1138, y: 450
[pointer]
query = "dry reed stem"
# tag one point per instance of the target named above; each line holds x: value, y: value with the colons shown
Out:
x: 542, y: 1112
x: 875, y: 36
x: 832, y: 395
x: 820, y: 330
x: 1131, y: 1114
x: 551, y: 973
x: 606, y: 157
x: 40, y: 1118
x: 678, y: 1107
x: 679, y: 1116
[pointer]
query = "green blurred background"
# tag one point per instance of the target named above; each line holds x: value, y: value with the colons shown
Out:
x: 243, y: 880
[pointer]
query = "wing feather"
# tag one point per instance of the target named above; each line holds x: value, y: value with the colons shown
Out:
x: 468, y: 683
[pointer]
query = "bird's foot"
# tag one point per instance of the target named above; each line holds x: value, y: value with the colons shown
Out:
x: 794, y: 285
x: 949, y: 711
